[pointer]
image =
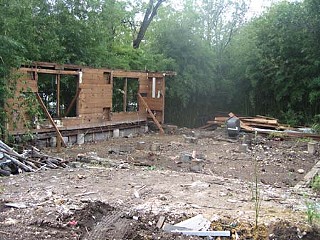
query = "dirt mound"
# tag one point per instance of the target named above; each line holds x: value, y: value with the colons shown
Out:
x: 98, y: 220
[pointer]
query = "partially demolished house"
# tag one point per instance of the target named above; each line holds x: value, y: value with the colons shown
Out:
x: 81, y: 104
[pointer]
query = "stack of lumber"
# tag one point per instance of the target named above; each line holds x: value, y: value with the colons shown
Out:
x: 261, y: 124
x: 247, y: 123
x: 31, y: 160
x: 254, y: 122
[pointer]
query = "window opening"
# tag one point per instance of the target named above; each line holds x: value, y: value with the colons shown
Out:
x: 57, y: 92
x: 125, y: 95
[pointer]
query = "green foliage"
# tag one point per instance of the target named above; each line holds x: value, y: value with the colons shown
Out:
x: 277, y: 135
x: 313, y: 214
x: 268, y: 65
x: 152, y: 168
x: 32, y: 108
x: 316, y: 128
x: 304, y: 140
x: 11, y: 55
x: 316, y: 184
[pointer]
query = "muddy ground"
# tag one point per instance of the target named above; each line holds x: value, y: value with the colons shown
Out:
x: 118, y: 189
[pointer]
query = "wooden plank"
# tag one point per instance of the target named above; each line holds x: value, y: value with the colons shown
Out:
x: 125, y: 90
x: 49, y: 117
x: 93, y: 79
x: 155, y: 103
x: 119, y: 73
x: 265, y: 117
x: 93, y: 105
x: 260, y: 120
x: 95, y: 97
x: 52, y: 71
x: 128, y: 117
x: 261, y: 125
x: 151, y: 114
x: 95, y: 101
x: 58, y: 95
x: 96, y: 86
x: 91, y: 110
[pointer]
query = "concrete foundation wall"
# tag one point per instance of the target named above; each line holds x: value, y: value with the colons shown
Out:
x: 83, y: 137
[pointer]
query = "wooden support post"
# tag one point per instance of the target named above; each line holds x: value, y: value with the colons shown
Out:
x: 59, y: 136
x: 125, y: 90
x: 151, y: 114
x: 73, y: 101
x: 58, y: 95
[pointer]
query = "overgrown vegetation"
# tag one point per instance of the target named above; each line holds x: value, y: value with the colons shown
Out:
x: 313, y: 208
x: 313, y: 213
x: 315, y: 184
x: 266, y: 65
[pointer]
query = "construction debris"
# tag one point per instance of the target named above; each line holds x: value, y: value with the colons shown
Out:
x: 195, y: 226
x: 263, y: 125
x: 11, y: 162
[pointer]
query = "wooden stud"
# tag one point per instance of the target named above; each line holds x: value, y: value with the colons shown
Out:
x: 58, y: 95
x: 125, y: 89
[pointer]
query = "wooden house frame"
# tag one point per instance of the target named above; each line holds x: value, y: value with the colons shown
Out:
x: 83, y: 104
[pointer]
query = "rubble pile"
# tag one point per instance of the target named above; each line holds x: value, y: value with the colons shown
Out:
x: 32, y: 160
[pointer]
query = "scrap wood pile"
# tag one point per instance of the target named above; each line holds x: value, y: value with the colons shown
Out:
x: 261, y: 124
x: 31, y: 160
x: 249, y: 123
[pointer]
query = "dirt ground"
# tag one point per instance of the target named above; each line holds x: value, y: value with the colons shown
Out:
x: 119, y: 188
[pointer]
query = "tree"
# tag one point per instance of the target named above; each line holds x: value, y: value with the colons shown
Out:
x: 150, y: 13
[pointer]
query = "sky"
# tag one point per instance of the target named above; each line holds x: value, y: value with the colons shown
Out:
x: 258, y: 6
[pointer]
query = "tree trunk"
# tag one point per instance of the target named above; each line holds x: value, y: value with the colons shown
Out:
x: 151, y: 12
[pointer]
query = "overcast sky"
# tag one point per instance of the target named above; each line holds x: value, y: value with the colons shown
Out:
x: 258, y: 6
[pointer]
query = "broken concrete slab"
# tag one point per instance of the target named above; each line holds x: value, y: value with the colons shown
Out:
x: 197, y: 223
